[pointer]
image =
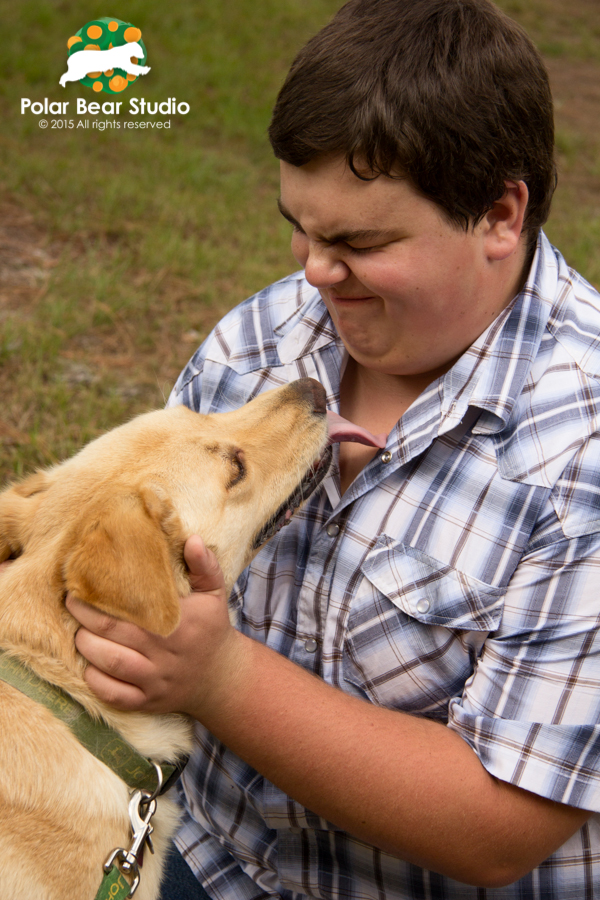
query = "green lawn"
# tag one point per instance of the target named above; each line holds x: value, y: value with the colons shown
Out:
x: 145, y: 237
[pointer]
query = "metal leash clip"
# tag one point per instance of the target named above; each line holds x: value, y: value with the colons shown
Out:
x: 142, y: 807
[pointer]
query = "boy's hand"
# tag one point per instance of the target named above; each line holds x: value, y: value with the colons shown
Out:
x: 133, y: 669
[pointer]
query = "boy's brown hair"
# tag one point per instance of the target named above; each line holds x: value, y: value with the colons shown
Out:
x: 449, y: 93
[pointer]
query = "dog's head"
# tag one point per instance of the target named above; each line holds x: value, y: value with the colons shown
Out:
x: 115, y: 517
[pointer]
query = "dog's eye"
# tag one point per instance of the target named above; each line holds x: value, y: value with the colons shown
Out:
x: 237, y: 463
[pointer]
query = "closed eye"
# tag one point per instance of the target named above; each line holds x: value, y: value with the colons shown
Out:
x: 377, y: 239
x: 357, y: 250
x: 364, y: 249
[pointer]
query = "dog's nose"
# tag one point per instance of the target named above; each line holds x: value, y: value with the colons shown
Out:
x: 313, y: 392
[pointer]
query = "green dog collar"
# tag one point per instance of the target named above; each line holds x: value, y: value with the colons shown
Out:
x: 96, y: 736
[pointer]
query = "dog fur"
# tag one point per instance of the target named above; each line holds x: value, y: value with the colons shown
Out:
x: 110, y: 525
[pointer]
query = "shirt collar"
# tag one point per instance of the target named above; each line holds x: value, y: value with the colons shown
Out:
x: 308, y: 329
x: 491, y: 374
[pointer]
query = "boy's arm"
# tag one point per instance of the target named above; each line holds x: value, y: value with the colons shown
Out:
x: 408, y: 785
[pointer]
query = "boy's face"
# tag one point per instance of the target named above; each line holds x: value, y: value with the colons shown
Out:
x: 407, y: 291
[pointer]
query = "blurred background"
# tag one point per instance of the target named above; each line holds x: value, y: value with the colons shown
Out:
x: 120, y: 249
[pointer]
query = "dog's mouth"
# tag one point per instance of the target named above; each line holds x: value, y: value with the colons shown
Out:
x: 339, y: 429
x: 283, y: 516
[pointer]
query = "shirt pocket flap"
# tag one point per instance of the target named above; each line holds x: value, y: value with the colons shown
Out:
x: 430, y: 590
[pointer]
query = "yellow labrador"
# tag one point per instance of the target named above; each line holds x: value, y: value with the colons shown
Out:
x: 110, y: 525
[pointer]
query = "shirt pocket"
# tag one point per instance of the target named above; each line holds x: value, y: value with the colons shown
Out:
x: 415, y: 629
x: 431, y: 591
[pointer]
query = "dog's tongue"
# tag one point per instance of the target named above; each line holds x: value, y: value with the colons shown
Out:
x: 341, y: 429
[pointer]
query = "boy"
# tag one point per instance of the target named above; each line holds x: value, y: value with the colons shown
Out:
x: 442, y: 591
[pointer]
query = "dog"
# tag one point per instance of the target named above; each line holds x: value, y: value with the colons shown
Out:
x: 81, y: 63
x: 110, y: 524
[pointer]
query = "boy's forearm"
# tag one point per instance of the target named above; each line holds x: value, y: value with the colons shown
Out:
x: 408, y: 785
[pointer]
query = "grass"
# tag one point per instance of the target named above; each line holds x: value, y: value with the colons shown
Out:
x: 123, y: 248
x: 149, y: 236
x: 559, y: 28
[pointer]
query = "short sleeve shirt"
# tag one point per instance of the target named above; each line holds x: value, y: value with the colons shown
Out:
x: 458, y: 578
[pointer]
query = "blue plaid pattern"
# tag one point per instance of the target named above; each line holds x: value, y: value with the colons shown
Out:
x: 463, y: 585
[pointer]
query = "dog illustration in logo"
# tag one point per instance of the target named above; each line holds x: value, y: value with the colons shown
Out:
x: 81, y: 64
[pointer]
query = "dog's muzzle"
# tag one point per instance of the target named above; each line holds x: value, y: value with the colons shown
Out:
x: 307, y: 486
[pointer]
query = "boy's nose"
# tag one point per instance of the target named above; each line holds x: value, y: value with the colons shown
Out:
x: 324, y: 266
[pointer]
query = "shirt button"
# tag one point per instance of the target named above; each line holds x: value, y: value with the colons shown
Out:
x: 386, y: 457
x: 333, y: 529
x: 310, y: 645
x: 423, y: 606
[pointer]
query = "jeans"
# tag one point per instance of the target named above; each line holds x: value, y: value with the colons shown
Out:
x: 179, y: 882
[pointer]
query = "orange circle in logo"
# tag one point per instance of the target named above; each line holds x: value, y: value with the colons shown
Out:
x: 94, y: 32
x: 118, y: 83
x: 132, y: 34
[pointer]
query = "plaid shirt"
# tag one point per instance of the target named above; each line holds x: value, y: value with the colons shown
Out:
x: 460, y: 580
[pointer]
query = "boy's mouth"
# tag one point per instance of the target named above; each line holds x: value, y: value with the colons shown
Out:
x: 339, y: 298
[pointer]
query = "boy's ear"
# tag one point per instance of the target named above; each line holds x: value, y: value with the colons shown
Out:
x: 504, y: 221
x: 122, y: 561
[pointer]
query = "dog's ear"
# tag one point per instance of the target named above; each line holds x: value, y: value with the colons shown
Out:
x: 18, y: 508
x: 124, y: 559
